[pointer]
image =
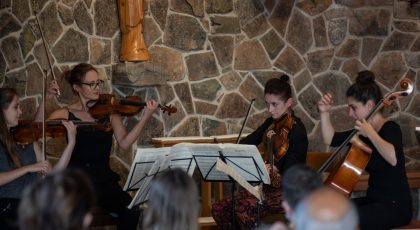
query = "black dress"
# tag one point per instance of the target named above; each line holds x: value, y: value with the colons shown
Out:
x: 388, y: 201
x: 91, y: 154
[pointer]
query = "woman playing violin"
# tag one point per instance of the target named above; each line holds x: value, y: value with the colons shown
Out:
x: 388, y: 201
x: 21, y: 165
x: 278, y: 97
x: 93, y: 146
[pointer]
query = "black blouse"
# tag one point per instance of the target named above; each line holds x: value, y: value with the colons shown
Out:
x: 92, y: 151
x: 386, y: 182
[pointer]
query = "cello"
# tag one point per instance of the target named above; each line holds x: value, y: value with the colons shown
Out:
x: 345, y: 174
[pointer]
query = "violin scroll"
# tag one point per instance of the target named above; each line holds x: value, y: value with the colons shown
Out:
x: 407, y: 88
x: 406, y: 84
x: 170, y: 109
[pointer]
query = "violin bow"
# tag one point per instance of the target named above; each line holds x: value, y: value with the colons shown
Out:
x: 246, y: 118
x: 35, y: 11
x: 44, y: 42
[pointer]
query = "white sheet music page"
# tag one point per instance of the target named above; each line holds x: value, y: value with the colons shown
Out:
x: 142, y: 163
x: 247, y: 161
x: 180, y: 156
x: 206, y: 156
x: 142, y: 193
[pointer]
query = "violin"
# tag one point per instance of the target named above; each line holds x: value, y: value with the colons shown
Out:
x: 107, y: 104
x: 345, y: 174
x: 278, y: 143
x: 27, y: 131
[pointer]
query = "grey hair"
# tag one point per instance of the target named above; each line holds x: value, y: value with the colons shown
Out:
x: 303, y: 220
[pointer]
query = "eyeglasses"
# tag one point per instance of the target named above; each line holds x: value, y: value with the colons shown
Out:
x: 93, y: 85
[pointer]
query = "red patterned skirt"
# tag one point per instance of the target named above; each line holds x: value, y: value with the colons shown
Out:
x: 246, y: 209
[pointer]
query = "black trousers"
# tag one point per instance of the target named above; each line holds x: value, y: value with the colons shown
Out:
x: 111, y: 197
x: 382, y: 215
x: 8, y: 213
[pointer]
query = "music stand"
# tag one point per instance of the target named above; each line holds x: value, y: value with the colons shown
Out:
x: 244, y: 159
x: 149, y: 163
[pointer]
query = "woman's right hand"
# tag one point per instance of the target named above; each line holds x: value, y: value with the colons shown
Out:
x: 325, y: 104
x: 42, y: 167
x: 52, y: 89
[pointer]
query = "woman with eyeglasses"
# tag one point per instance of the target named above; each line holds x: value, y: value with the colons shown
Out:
x: 93, y: 146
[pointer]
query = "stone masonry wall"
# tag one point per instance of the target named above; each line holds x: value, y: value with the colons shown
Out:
x: 209, y: 58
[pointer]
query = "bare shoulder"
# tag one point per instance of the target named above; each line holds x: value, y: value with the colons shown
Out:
x: 61, y: 113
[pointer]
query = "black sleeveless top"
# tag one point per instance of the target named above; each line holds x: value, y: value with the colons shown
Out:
x: 92, y: 151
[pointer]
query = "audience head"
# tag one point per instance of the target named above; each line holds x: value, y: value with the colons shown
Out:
x: 173, y: 202
x: 61, y: 201
x: 325, y: 209
x: 298, y: 182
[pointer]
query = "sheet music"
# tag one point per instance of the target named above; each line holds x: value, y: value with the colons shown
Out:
x: 221, y: 166
x: 181, y: 157
x: 142, y: 164
x: 142, y: 194
x: 245, y: 159
x: 150, y: 162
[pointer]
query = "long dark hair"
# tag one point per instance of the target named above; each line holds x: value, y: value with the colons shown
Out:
x: 365, y: 88
x: 59, y: 201
x: 280, y: 87
x: 6, y: 140
x: 76, y: 75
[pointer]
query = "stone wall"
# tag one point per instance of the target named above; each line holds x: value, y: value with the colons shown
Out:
x: 209, y: 58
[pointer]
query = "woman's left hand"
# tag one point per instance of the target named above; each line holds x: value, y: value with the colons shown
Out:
x: 364, y: 128
x: 272, y: 169
x: 71, y: 131
x: 151, y: 106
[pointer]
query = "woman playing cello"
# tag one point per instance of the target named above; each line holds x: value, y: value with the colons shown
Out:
x: 388, y: 201
x: 93, y: 146
x: 278, y: 97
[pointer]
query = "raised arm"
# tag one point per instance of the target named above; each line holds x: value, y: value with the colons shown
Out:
x: 126, y: 139
x: 51, y: 92
x: 327, y: 129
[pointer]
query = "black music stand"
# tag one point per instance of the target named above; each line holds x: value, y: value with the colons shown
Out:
x: 151, y: 162
x: 244, y: 159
